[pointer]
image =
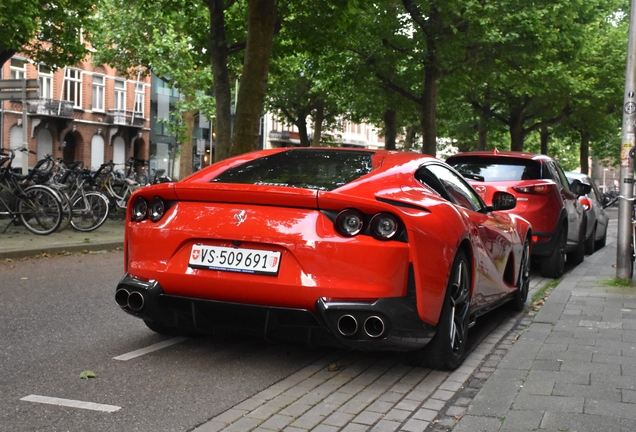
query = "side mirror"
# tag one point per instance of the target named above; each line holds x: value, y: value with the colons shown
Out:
x: 580, y: 188
x: 503, y: 201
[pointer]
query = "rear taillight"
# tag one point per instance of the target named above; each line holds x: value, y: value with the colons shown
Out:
x: 542, y: 189
x: 381, y: 226
x: 384, y: 226
x: 585, y: 201
x: 349, y: 222
x: 141, y: 209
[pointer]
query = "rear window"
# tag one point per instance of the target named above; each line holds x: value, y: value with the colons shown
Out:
x: 497, y: 169
x: 310, y: 169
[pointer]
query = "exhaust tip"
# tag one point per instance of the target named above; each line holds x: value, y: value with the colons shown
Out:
x: 121, y: 297
x: 135, y: 301
x: 374, y: 327
x: 347, y: 325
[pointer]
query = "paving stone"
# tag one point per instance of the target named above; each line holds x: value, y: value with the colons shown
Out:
x: 367, y: 417
x: 496, y: 397
x: 472, y: 423
x: 414, y: 425
x: 526, y: 402
x: 522, y: 420
x: 277, y: 422
x: 386, y: 426
x: 596, y: 391
x: 338, y: 419
x: 579, y: 422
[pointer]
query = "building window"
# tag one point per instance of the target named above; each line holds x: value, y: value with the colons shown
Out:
x: 45, y: 78
x: 18, y: 69
x: 139, y: 100
x: 120, y: 95
x: 98, y: 93
x: 73, y: 87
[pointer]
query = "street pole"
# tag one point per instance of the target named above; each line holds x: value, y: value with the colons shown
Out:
x: 25, y: 143
x: 624, y: 248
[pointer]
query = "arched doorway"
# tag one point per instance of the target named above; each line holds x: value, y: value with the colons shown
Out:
x: 119, y: 151
x: 68, y: 148
x: 97, y: 152
x: 45, y: 144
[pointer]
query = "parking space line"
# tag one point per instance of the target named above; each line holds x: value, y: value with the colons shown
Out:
x: 71, y: 403
x: 149, y: 349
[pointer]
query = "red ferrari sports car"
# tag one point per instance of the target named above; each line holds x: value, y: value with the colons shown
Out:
x: 370, y: 249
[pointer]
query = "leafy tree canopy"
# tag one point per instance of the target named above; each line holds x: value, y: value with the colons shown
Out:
x: 46, y: 31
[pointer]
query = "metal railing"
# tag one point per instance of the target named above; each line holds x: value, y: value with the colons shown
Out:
x: 51, y: 107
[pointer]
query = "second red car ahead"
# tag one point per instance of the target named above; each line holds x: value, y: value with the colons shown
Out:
x: 545, y: 198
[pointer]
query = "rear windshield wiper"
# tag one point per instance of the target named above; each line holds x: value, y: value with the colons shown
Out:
x: 472, y: 176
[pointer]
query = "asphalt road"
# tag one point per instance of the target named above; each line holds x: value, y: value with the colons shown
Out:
x: 59, y: 319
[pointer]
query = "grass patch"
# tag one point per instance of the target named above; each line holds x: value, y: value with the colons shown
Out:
x: 619, y: 283
x: 545, y: 290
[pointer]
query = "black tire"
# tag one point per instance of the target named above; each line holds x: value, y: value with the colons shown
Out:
x: 447, y: 349
x: 519, y: 298
x: 90, y: 214
x: 66, y: 210
x: 600, y: 244
x: 577, y: 256
x: 553, y: 265
x: 590, y: 244
x: 40, y: 211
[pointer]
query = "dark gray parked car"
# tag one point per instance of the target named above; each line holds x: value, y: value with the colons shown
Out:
x: 597, y: 217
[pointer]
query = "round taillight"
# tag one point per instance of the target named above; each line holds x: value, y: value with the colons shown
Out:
x: 384, y: 226
x: 585, y: 201
x: 139, y: 209
x: 349, y: 222
x: 156, y: 209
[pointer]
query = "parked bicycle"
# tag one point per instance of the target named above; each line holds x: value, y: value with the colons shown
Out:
x: 89, y: 207
x: 37, y: 207
x: 115, y: 185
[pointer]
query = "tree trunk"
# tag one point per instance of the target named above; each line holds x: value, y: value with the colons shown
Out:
x: 301, y: 124
x: 390, y: 129
x: 429, y: 106
x: 261, y: 25
x: 545, y: 140
x: 5, y: 55
x: 516, y: 130
x: 222, y: 88
x: 410, y: 136
x: 318, y: 119
x: 482, y: 132
x: 185, y: 165
x: 585, y: 152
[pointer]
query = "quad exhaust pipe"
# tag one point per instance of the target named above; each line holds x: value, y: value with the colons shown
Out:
x: 373, y: 326
x: 131, y: 300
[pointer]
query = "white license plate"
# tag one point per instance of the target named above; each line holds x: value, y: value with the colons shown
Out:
x: 232, y: 259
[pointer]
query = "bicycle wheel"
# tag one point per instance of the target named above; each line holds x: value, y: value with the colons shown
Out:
x: 66, y: 209
x: 40, y: 210
x: 89, y: 211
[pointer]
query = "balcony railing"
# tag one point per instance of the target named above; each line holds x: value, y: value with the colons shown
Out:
x: 51, y: 107
x: 125, y: 117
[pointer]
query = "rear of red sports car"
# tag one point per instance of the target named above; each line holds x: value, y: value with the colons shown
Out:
x: 318, y: 245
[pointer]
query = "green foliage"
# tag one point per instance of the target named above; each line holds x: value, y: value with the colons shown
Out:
x: 48, y: 32
x: 88, y: 374
x: 504, y: 68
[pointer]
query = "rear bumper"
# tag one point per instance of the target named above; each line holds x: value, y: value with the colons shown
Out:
x: 385, y: 324
x: 544, y: 248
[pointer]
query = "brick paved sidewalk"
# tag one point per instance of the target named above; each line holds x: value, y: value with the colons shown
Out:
x: 574, y: 367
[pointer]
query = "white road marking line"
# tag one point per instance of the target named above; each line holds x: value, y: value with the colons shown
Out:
x: 149, y: 349
x: 71, y: 403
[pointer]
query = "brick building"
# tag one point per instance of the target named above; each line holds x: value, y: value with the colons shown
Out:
x: 85, y: 112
